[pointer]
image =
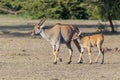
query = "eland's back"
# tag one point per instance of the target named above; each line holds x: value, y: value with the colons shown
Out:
x: 63, y: 32
x: 93, y: 40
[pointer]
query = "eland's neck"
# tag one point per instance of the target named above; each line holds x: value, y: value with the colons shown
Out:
x: 45, y: 33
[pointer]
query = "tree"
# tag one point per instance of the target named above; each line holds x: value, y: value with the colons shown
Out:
x: 35, y: 9
x: 10, y: 6
x: 115, y: 9
x: 107, y: 13
x: 100, y: 9
x: 63, y: 9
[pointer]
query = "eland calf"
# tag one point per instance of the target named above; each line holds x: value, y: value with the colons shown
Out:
x: 88, y: 42
x: 56, y: 35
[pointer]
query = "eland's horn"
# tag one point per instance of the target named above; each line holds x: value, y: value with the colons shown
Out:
x: 41, y: 21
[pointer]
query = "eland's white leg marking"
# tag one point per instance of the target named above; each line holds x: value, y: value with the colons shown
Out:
x: 80, y: 60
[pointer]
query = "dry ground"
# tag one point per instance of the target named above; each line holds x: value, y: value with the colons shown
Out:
x: 25, y: 58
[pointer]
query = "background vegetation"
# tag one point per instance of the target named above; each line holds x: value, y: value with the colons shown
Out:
x: 67, y: 9
x: 59, y: 9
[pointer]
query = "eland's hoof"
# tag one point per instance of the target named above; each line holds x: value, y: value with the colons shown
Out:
x: 96, y: 62
x: 80, y: 62
x: 69, y: 62
x: 102, y: 62
x: 54, y: 62
x: 60, y: 59
x: 90, y: 63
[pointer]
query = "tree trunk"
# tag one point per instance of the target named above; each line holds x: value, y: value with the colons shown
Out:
x: 106, y: 6
x: 111, y: 24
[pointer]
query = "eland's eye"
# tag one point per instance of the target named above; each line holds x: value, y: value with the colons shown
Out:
x: 38, y: 27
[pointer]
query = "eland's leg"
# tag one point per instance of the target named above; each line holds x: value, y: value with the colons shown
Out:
x: 57, y: 50
x: 100, y: 52
x: 77, y: 45
x: 80, y: 60
x: 70, y: 52
x: 55, y: 56
x: 102, y: 57
x: 55, y: 53
x: 79, y: 49
x: 89, y: 53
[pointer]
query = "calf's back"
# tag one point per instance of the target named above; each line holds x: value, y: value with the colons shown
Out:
x: 92, y: 40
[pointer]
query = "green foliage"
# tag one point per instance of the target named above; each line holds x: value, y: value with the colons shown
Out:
x: 115, y: 10
x: 61, y: 9
x: 95, y: 9
x: 11, y: 4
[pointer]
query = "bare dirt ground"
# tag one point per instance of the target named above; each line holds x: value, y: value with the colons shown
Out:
x: 25, y: 58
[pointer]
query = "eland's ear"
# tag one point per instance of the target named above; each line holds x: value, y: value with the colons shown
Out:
x: 79, y: 33
x: 75, y: 36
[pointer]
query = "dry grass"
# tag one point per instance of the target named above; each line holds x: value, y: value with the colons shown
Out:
x: 25, y: 58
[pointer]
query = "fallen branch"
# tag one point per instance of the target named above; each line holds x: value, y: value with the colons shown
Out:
x: 9, y: 11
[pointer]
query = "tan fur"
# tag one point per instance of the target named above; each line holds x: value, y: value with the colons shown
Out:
x: 90, y: 41
x: 58, y: 34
